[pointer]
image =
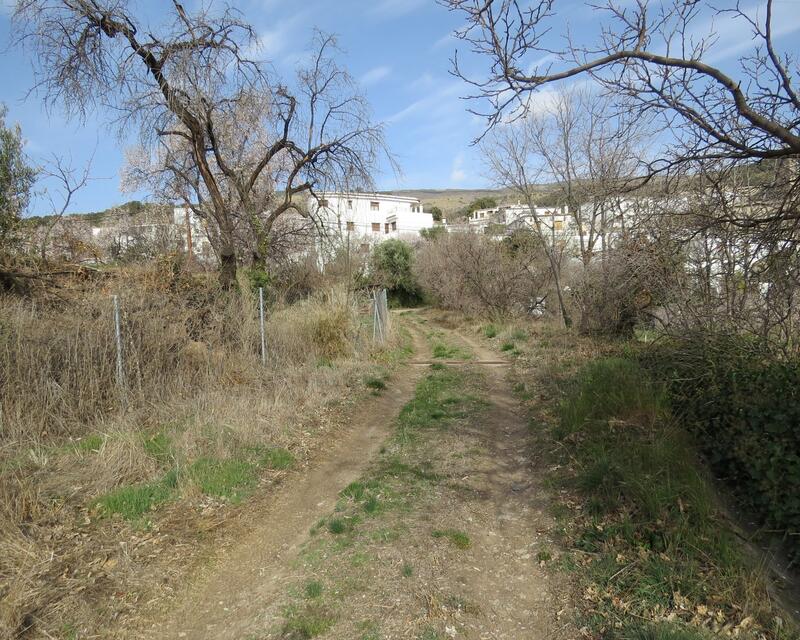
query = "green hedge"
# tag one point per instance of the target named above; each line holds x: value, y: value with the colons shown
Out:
x: 744, y: 408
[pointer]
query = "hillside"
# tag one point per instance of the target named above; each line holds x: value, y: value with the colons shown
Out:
x: 450, y: 201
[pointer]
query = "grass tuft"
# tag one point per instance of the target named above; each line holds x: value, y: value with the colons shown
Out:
x: 134, y: 501
x: 276, y: 458
x: 159, y: 447
x: 457, y: 538
x: 354, y: 490
x: 372, y: 504
x: 89, y: 444
x: 375, y: 383
x: 448, y: 352
x: 229, y: 479
x: 490, y: 331
x: 664, y: 631
x: 313, y: 589
x: 308, y: 622
x: 337, y: 526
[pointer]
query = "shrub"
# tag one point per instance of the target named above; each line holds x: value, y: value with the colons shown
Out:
x: 391, y: 266
x: 744, y: 408
x: 647, y: 500
x: 474, y: 274
x: 625, y: 287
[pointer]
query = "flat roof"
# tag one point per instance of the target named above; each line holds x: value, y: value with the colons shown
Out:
x: 360, y: 195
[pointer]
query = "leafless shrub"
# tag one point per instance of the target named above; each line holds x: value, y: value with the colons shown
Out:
x: 474, y: 273
x: 631, y: 284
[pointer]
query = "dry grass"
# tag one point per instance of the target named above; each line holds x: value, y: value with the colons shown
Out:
x: 195, y: 390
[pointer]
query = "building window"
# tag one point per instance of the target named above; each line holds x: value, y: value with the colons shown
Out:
x: 349, y: 204
x: 386, y: 228
x: 374, y: 206
x: 376, y: 227
x: 559, y: 225
x: 323, y: 203
x: 394, y: 226
x: 351, y: 226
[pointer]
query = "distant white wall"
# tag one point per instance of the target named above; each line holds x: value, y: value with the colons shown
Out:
x: 369, y: 216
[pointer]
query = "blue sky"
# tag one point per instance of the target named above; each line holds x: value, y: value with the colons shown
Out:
x: 398, y: 49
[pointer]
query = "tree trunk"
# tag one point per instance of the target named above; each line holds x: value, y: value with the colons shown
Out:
x: 227, y: 267
x: 562, y: 307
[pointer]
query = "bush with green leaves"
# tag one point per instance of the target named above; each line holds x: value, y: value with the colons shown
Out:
x: 744, y: 408
x: 391, y: 266
x: 16, y: 179
x: 655, y: 537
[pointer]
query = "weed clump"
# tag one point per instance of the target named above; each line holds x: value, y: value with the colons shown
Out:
x: 313, y: 589
x: 458, y: 538
x: 375, y: 383
x: 134, y: 501
x: 307, y: 622
x: 276, y: 458
x: 229, y: 479
x: 337, y: 526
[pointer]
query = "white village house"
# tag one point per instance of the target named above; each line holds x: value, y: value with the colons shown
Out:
x: 368, y: 216
x: 339, y: 217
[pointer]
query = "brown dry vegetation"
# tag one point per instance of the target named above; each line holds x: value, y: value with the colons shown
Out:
x: 199, y: 425
x: 474, y: 273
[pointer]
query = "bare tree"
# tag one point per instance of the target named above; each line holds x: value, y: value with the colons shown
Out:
x: 237, y: 145
x: 511, y: 156
x: 65, y: 182
x: 589, y: 160
x: 655, y: 57
x: 730, y: 187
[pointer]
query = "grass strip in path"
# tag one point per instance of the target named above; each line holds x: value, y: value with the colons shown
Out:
x: 381, y: 511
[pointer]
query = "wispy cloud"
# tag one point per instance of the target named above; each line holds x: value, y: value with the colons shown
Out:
x: 395, y: 8
x: 375, y: 75
x: 425, y: 81
x: 457, y: 173
x: 448, y: 92
x: 734, y: 35
x: 446, y: 39
x: 271, y: 42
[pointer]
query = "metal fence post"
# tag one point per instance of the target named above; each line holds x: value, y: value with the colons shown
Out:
x: 118, y: 336
x: 374, y: 317
x: 385, y: 307
x: 261, y: 322
x: 377, y: 318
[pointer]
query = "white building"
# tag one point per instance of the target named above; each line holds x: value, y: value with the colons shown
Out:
x: 370, y: 217
x: 363, y: 219
x: 193, y: 231
x: 517, y: 216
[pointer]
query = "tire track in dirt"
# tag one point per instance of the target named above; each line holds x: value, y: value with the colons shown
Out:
x: 521, y: 598
x: 225, y: 599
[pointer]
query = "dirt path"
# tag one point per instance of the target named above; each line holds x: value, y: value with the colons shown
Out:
x: 391, y: 574
x: 523, y: 599
x: 224, y: 600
